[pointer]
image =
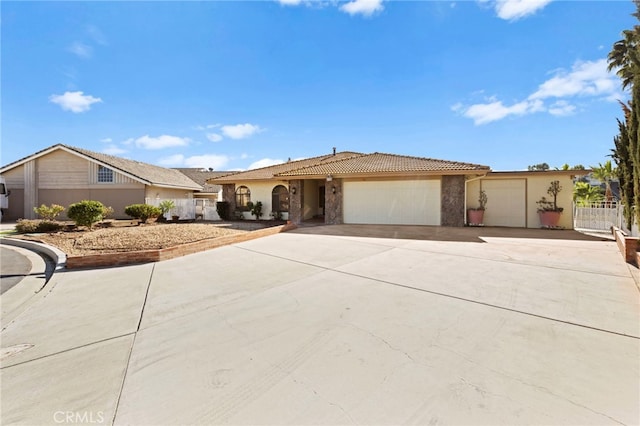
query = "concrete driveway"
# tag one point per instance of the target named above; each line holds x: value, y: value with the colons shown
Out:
x: 306, y: 328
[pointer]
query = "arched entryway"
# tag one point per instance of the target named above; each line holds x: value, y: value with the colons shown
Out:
x: 280, y: 200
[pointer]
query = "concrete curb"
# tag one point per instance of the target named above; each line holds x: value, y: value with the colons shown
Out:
x: 628, y: 246
x: 58, y: 257
x: 157, y: 255
x: 137, y: 257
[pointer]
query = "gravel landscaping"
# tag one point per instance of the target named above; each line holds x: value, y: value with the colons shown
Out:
x: 143, y: 237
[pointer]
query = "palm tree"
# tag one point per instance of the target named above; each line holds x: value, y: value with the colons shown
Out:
x: 605, y: 173
x: 585, y: 194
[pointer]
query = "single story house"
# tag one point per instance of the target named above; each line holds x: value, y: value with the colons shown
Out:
x: 378, y: 188
x: 63, y: 174
x: 351, y: 187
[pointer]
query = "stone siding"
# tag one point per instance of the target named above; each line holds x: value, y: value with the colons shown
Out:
x: 452, y: 201
x: 296, y: 201
x: 229, y: 195
x: 333, y: 203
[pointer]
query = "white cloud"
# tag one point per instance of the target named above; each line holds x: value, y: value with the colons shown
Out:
x: 493, y: 111
x: 172, y: 160
x: 265, y: 162
x: 217, y: 162
x: 214, y: 137
x: 97, y: 35
x: 586, y: 79
x: 114, y: 150
x: 589, y: 78
x: 106, y: 140
x: 214, y: 161
x: 240, y: 131
x: 364, y: 7
x: 562, y: 108
x: 160, y: 142
x: 290, y: 2
x: 80, y: 49
x: 74, y: 101
x: 512, y: 10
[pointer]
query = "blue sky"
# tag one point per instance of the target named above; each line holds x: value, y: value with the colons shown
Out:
x: 236, y: 85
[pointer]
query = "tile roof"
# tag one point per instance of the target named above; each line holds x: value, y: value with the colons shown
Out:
x: 380, y: 163
x: 147, y: 173
x: 200, y: 176
x: 270, y: 171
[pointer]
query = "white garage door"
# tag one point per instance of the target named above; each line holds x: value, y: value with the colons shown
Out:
x: 415, y: 202
x: 506, y: 205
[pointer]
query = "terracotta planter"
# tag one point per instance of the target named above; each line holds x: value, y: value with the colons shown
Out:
x: 475, y: 217
x: 549, y: 219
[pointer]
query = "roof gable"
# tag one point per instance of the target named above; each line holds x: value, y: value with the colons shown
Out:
x: 148, y: 174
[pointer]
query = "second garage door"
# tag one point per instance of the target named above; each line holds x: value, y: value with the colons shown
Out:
x: 506, y: 205
x: 414, y: 202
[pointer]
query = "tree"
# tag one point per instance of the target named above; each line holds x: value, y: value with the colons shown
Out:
x: 585, y: 194
x: 536, y: 167
x: 625, y: 59
x: 605, y: 173
x: 622, y: 158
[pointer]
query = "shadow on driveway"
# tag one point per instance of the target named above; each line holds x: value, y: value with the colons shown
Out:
x: 442, y: 233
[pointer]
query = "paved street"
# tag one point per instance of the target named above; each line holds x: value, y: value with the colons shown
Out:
x: 306, y: 328
x: 14, y: 266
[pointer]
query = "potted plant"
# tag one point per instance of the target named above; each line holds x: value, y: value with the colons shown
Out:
x: 548, y: 211
x: 476, y: 214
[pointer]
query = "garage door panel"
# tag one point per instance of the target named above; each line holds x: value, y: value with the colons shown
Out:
x: 506, y: 205
x: 392, y: 202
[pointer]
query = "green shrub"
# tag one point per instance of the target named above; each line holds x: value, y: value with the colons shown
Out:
x: 142, y: 211
x: 222, y: 207
x: 26, y: 226
x: 255, y: 208
x: 107, y: 212
x: 48, y: 212
x: 166, y: 206
x: 86, y: 212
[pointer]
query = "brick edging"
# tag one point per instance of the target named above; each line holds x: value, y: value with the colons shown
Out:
x: 628, y: 246
x: 146, y: 256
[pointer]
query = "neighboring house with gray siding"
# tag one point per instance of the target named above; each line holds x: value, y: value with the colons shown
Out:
x: 63, y: 174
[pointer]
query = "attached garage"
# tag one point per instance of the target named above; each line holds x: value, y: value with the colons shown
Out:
x: 508, y: 202
x: 400, y: 202
x: 513, y: 196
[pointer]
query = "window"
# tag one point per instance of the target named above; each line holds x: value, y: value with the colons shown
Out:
x: 105, y: 175
x: 243, y: 197
x: 280, y: 199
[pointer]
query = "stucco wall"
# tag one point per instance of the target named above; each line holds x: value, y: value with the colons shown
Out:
x: 535, y: 188
x: 166, y: 193
x: 118, y: 199
x: 261, y: 191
